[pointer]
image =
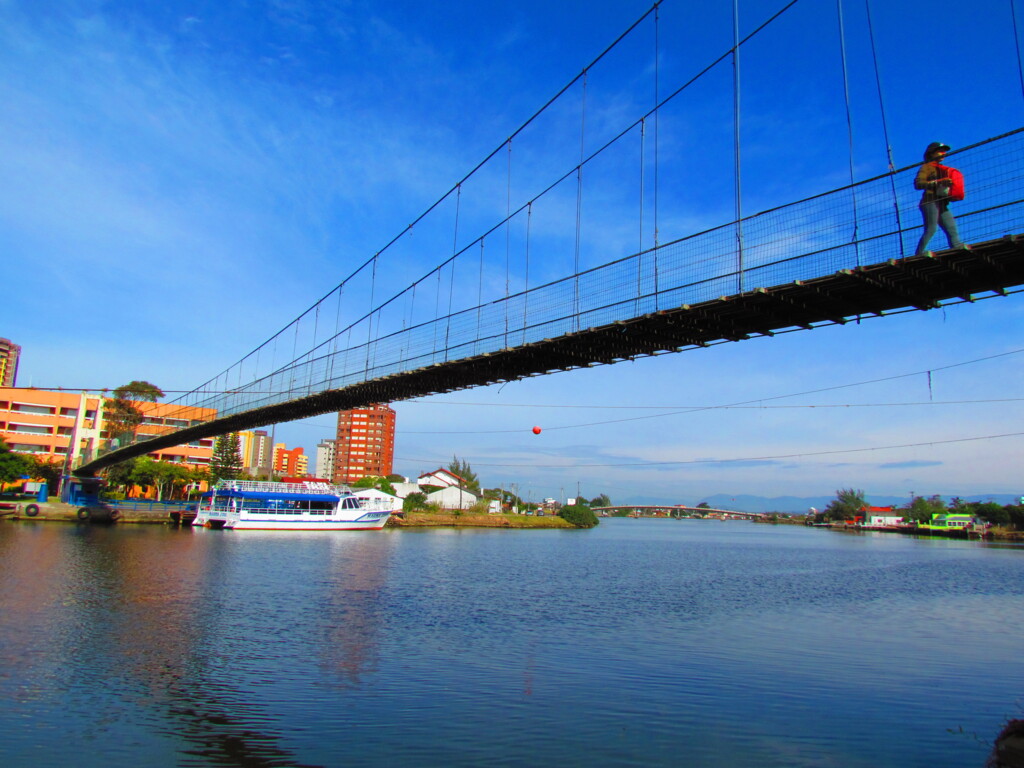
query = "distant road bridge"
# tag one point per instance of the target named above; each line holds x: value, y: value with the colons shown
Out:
x: 675, y: 510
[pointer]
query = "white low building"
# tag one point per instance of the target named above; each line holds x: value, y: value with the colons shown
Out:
x: 404, y: 489
x: 882, y: 516
x: 440, y: 477
x: 452, y: 498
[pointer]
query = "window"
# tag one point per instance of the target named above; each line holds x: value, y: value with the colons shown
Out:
x: 39, y: 410
x: 29, y: 429
x: 28, y: 448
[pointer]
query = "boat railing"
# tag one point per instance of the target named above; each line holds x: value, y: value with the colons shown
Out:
x: 269, y: 486
x: 377, y: 504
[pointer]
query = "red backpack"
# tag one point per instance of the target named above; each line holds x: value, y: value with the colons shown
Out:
x: 956, y: 181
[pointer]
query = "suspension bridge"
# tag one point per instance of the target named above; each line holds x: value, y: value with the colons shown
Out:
x: 491, y: 310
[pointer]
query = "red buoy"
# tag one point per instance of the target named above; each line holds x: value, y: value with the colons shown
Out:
x: 536, y: 430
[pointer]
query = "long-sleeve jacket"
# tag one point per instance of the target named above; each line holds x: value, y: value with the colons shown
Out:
x: 932, y: 179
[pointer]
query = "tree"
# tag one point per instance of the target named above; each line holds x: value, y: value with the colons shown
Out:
x: 579, y: 515
x: 469, y: 479
x: 12, y: 465
x: 121, y: 413
x: 846, y: 505
x: 46, y: 470
x: 703, y: 505
x: 120, y: 474
x: 414, y: 501
x: 601, y: 501
x: 921, y: 509
x: 162, y: 475
x: 226, y: 463
x: 991, y: 512
x: 1016, y: 514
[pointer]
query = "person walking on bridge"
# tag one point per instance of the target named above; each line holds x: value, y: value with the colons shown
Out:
x: 934, y: 203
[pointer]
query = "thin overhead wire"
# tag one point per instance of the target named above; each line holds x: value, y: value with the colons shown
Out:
x: 529, y: 121
x: 742, y: 459
x: 1016, y: 42
x: 737, y: 163
x: 885, y: 121
x: 854, y: 236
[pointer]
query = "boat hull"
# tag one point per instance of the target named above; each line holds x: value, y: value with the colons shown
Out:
x: 372, y: 522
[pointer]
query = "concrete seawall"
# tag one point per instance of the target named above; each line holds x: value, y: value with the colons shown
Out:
x: 58, y: 512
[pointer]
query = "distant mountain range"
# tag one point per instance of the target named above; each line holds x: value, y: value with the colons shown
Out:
x: 798, y: 504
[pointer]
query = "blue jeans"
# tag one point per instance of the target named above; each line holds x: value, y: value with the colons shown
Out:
x: 936, y: 214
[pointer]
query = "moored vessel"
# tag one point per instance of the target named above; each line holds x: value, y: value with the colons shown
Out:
x: 304, y: 506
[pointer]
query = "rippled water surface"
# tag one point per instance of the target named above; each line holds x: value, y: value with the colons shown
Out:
x: 641, y: 642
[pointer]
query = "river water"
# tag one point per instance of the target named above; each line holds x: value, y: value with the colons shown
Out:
x: 638, y: 643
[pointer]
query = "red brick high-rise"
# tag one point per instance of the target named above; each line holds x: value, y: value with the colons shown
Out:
x: 365, y: 444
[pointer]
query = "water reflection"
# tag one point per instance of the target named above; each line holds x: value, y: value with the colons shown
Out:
x: 145, y: 609
x: 352, y: 614
x: 145, y: 613
x: 36, y: 630
x: 632, y: 644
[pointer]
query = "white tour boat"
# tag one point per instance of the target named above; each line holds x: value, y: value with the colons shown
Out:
x: 305, y: 506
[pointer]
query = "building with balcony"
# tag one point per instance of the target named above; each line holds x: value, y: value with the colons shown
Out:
x: 325, y: 459
x: 290, y: 462
x: 365, y: 443
x: 9, y: 354
x: 256, y: 451
x: 70, y: 427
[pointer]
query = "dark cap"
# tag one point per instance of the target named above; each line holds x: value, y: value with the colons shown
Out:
x: 935, y: 146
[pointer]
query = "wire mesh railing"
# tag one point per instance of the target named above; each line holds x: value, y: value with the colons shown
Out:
x: 864, y: 223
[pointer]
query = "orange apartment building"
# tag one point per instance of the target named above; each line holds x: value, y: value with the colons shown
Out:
x: 64, y: 425
x: 291, y: 463
x: 365, y: 443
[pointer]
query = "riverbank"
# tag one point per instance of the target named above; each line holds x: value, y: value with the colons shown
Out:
x: 990, y: 534
x: 171, y: 513
x: 456, y: 519
x: 996, y: 533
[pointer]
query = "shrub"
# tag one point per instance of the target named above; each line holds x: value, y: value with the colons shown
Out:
x: 1016, y: 514
x: 579, y: 515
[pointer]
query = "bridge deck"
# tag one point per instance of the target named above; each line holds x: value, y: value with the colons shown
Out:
x: 916, y: 282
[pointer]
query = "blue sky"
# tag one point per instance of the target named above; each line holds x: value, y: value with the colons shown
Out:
x: 184, y: 178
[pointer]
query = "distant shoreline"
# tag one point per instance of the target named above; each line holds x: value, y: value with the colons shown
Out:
x: 456, y: 519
